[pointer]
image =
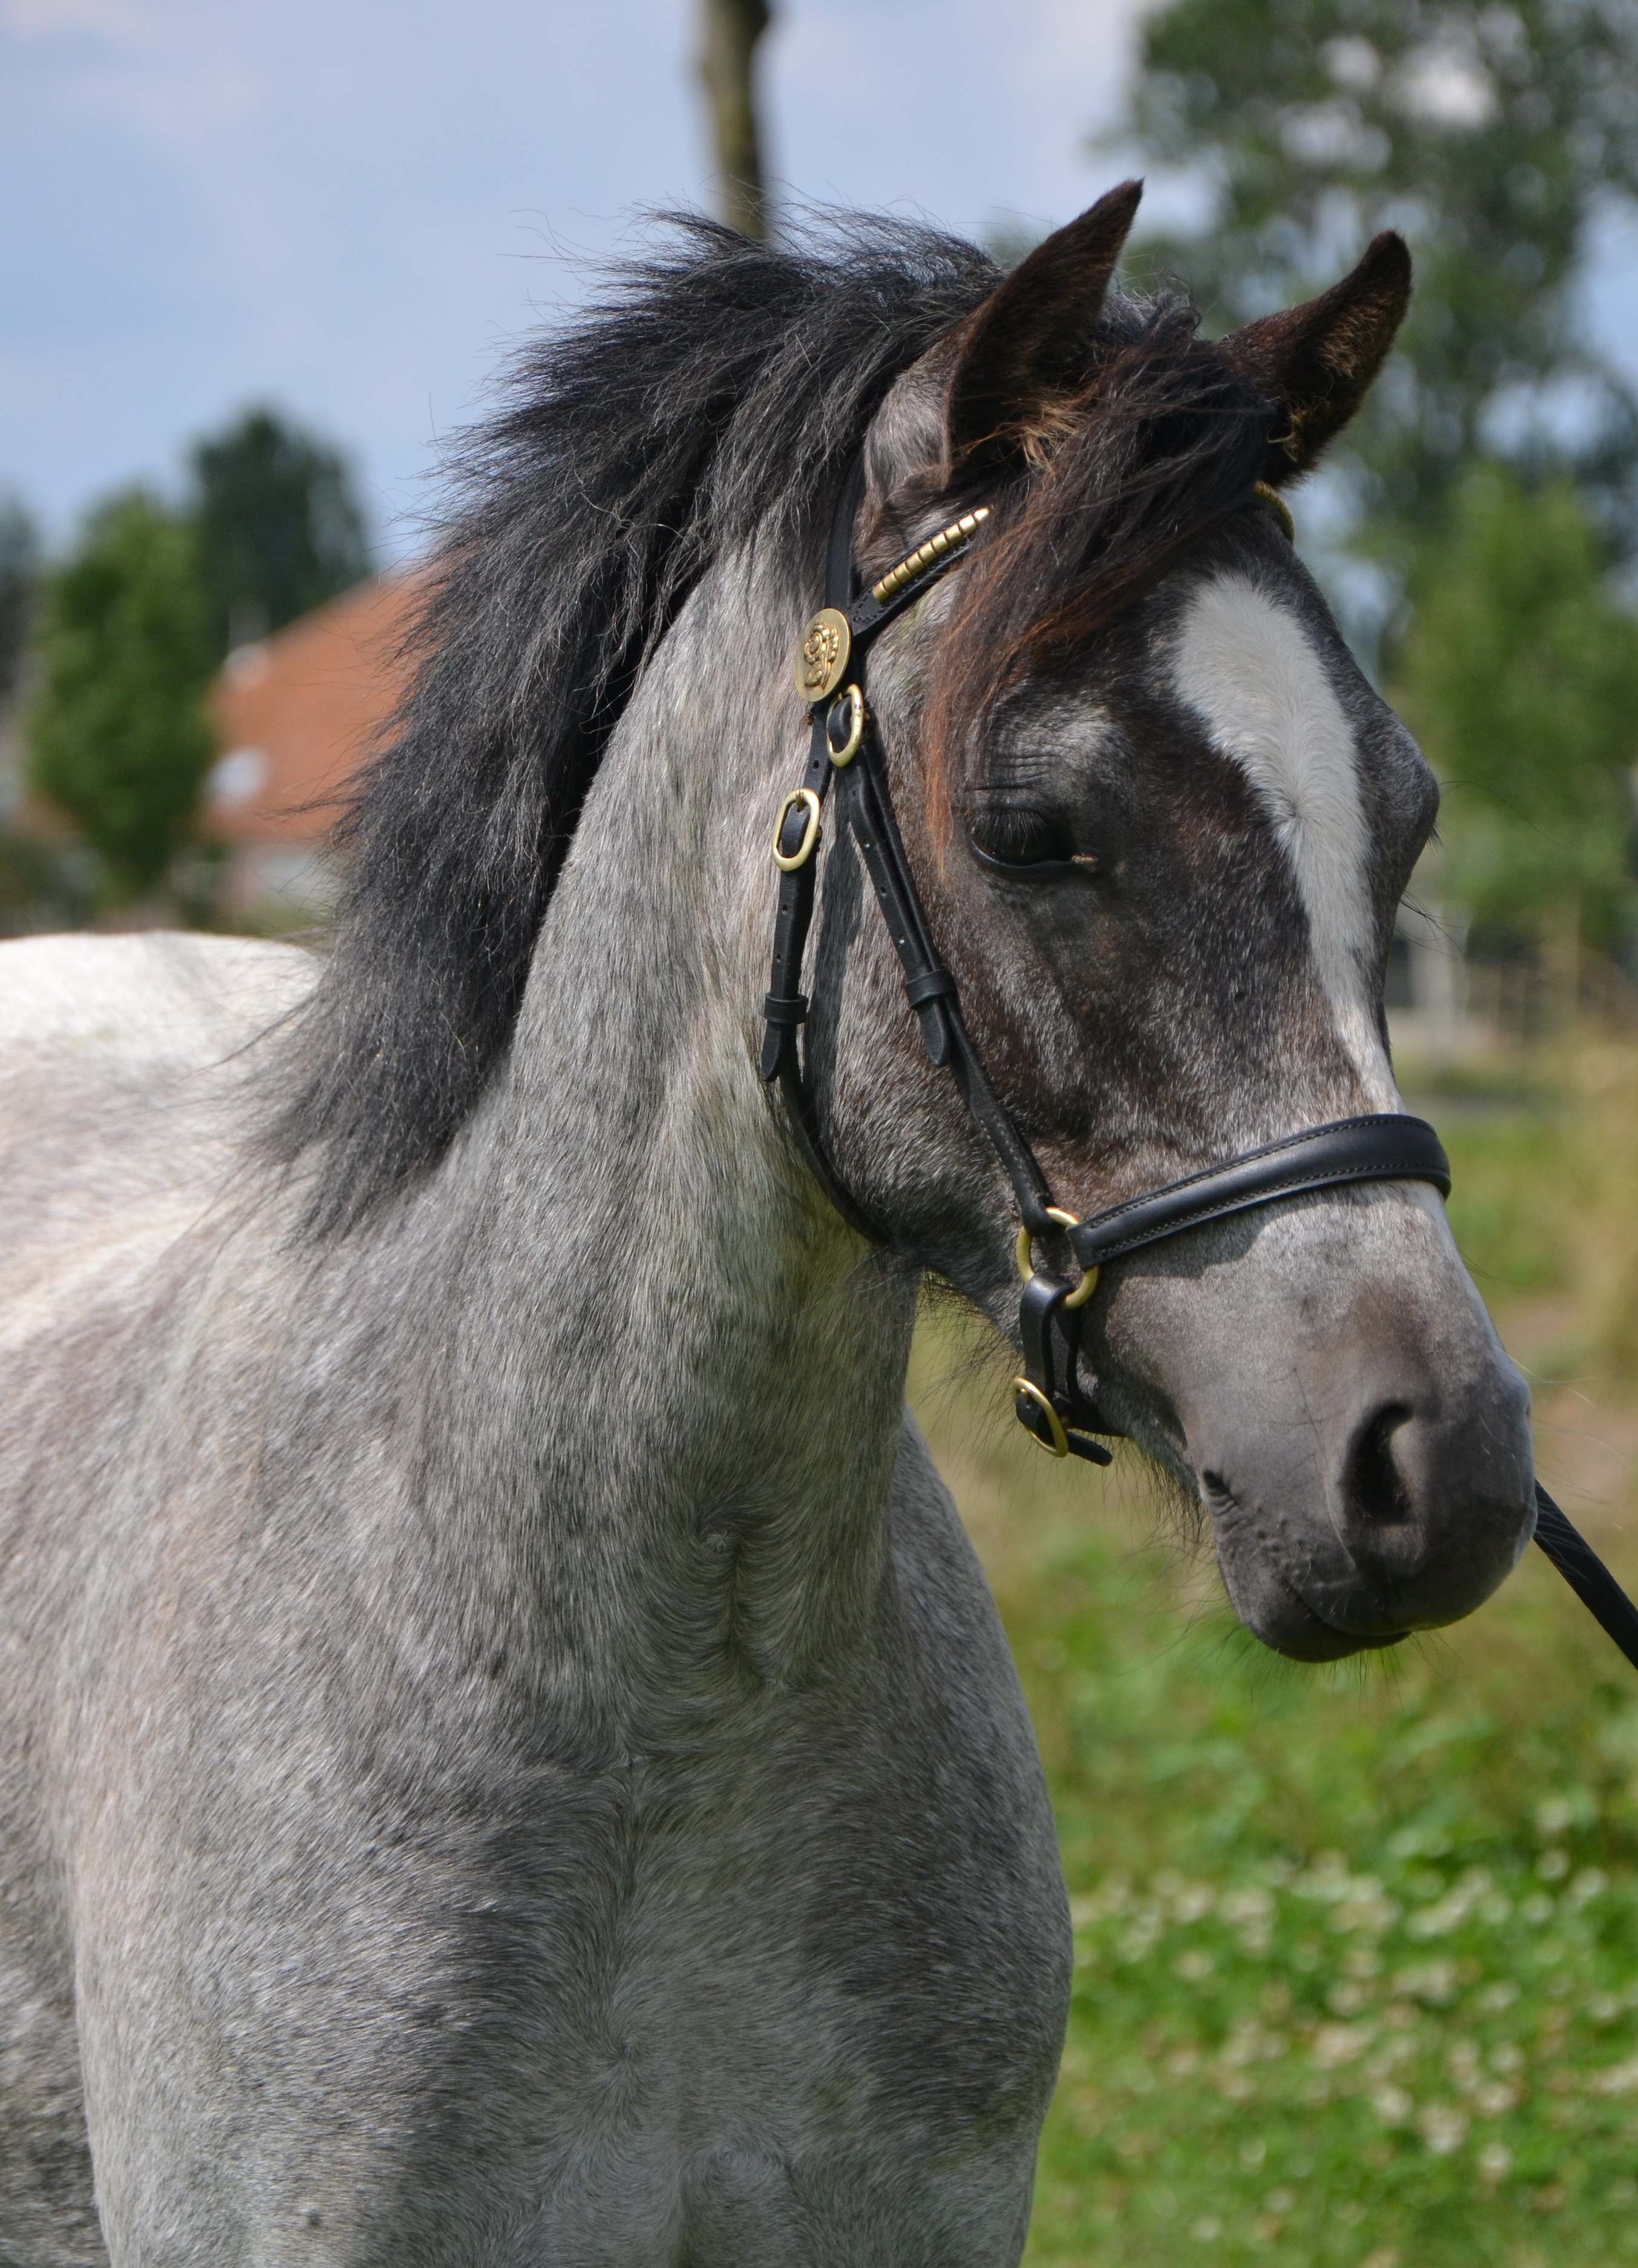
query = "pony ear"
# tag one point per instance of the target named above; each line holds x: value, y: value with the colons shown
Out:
x: 1315, y: 362
x: 1024, y: 347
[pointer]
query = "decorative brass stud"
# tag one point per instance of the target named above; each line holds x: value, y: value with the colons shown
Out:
x: 933, y: 549
x: 822, y: 658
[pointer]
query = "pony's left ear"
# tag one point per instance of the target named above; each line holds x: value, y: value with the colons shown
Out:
x: 1315, y: 362
x: 1025, y: 347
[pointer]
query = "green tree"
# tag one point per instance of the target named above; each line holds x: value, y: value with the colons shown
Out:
x: 20, y: 567
x: 279, y: 527
x: 1519, y: 673
x: 1490, y: 135
x: 117, y: 733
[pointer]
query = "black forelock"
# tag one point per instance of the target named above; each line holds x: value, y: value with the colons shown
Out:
x: 718, y: 387
x: 1162, y: 443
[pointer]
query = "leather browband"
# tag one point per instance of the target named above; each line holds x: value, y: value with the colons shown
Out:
x: 1055, y: 1407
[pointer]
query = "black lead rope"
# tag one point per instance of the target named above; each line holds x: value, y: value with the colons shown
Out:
x: 1054, y: 1405
x: 1587, y: 1575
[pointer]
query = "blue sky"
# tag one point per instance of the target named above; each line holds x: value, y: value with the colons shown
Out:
x: 353, y: 207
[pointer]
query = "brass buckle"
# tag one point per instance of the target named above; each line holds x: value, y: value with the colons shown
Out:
x: 788, y: 863
x: 1087, y: 1284
x: 853, y: 700
x: 1059, y: 1445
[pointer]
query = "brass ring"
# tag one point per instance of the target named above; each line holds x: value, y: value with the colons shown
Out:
x: 1083, y: 1290
x: 849, y: 748
x: 1087, y: 1284
x: 810, y: 832
x: 1059, y: 1445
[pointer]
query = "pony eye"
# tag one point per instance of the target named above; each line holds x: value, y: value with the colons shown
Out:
x: 1023, y: 841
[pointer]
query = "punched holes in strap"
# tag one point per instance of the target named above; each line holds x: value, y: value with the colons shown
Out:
x: 786, y: 1006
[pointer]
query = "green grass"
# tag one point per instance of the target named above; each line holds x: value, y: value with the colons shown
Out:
x: 1357, y: 1953
x: 1356, y: 1949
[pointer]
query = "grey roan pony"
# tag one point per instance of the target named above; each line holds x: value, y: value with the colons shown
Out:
x: 508, y: 1756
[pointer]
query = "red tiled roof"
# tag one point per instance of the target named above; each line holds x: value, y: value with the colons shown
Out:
x: 298, y: 712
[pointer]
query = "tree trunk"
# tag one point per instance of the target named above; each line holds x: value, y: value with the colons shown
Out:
x: 729, y: 32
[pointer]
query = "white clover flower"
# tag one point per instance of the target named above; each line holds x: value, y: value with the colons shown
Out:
x: 1443, y: 2127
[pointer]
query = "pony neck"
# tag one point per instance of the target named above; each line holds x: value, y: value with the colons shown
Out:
x: 708, y: 1365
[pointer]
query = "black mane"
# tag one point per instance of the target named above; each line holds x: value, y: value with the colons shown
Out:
x: 719, y: 386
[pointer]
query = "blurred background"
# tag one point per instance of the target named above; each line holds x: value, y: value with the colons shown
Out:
x: 1357, y: 1951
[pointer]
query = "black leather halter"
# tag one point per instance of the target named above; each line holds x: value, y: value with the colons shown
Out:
x: 1051, y: 1401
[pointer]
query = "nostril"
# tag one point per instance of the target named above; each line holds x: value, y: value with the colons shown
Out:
x: 1375, y: 1488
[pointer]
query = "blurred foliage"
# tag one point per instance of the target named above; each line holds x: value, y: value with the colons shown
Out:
x: 127, y: 634
x: 1356, y: 1949
x: 1373, y: 1984
x: 43, y: 887
x: 279, y: 526
x: 1519, y: 673
x: 1493, y: 473
x: 1488, y: 135
x: 20, y: 570
x: 118, y: 737
x: 1544, y: 1207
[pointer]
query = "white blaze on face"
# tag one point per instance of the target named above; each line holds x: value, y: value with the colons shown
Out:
x: 1246, y: 665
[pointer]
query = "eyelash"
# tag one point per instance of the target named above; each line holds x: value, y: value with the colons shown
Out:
x: 999, y: 822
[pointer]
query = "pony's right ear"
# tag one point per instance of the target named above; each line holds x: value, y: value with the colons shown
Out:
x: 1024, y: 348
